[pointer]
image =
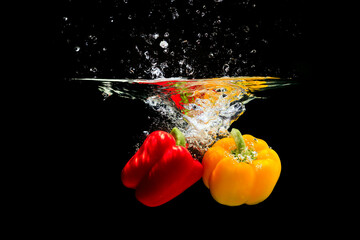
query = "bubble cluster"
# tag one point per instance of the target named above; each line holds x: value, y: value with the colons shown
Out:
x: 126, y: 39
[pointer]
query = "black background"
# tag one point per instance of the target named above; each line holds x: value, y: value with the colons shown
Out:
x: 95, y: 138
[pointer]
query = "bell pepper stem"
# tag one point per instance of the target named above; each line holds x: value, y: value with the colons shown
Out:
x: 239, y: 140
x: 179, y: 137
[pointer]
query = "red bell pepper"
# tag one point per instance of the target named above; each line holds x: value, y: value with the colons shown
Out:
x: 161, y: 169
x: 178, y: 93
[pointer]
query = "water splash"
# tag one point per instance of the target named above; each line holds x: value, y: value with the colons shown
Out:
x: 212, y: 38
x: 191, y: 39
x: 203, y: 109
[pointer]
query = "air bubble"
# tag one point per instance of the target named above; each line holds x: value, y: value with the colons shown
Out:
x: 156, y: 72
x: 174, y: 13
x: 93, y: 39
x: 164, y: 44
x: 93, y: 69
x: 189, y: 69
x: 155, y: 35
x: 146, y: 53
x: 132, y: 70
x: 246, y: 29
x: 226, y: 68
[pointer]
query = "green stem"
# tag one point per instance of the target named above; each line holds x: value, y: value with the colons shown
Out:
x: 179, y: 137
x: 241, y: 153
x: 239, y: 140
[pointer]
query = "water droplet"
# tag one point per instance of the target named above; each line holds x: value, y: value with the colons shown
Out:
x: 146, y: 53
x: 264, y: 41
x: 92, y: 38
x: 189, y: 69
x: 218, y: 1
x: 253, y: 51
x: 155, y: 35
x: 175, y: 14
x: 93, y: 69
x: 131, y: 70
x: 166, y: 34
x: 164, y: 44
x: 156, y: 72
x: 77, y: 49
x: 163, y: 65
x: 226, y: 68
x: 246, y: 29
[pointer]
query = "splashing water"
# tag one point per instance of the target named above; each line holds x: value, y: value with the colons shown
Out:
x: 203, y: 109
x: 196, y: 40
x: 191, y: 39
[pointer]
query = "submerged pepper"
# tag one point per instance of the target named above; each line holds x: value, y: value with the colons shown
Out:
x: 161, y: 169
x: 240, y: 169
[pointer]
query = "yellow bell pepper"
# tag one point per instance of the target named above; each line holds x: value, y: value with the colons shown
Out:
x: 240, y: 169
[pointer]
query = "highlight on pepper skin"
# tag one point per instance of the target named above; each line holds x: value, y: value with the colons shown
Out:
x: 151, y: 150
